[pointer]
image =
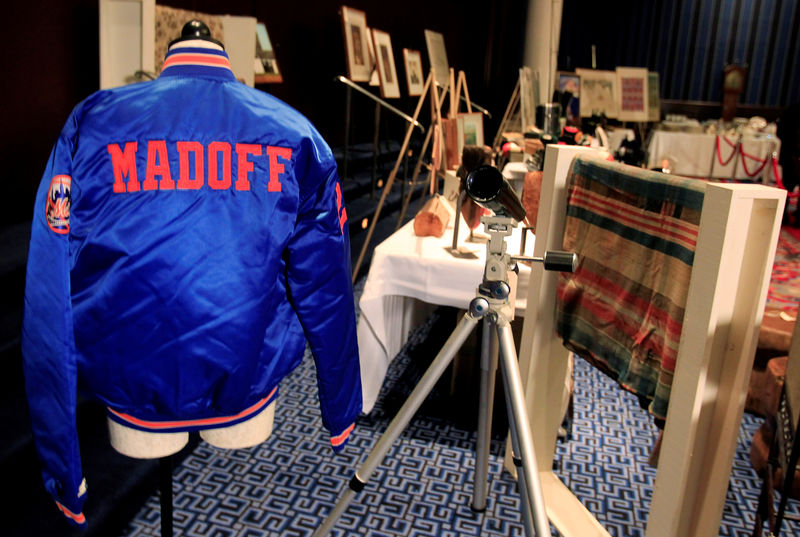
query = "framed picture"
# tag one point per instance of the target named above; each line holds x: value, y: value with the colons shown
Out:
x: 374, y: 80
x: 413, y: 62
x: 598, y: 92
x: 354, y: 24
x: 470, y: 130
x: 632, y: 95
x: 571, y: 82
x: 266, y: 64
x: 387, y: 73
x: 437, y: 57
x: 653, y: 97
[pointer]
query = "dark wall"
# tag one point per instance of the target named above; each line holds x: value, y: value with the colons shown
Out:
x: 52, y: 62
x: 689, y: 42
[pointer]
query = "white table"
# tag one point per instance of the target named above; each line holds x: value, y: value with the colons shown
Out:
x: 406, y: 269
x: 695, y: 155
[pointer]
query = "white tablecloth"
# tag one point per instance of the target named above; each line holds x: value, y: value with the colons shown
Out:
x: 406, y: 268
x: 695, y: 155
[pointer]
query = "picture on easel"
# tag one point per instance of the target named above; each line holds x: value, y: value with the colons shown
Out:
x: 414, y: 77
x: 387, y: 72
x: 470, y: 130
x: 354, y: 24
x: 374, y: 79
x: 598, y: 93
x: 437, y: 57
x: 632, y: 94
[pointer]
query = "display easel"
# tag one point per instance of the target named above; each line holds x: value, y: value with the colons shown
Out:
x: 379, y: 103
x: 390, y: 181
x: 733, y: 258
x: 460, y: 94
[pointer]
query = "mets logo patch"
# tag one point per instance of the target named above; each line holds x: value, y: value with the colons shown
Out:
x: 59, y: 199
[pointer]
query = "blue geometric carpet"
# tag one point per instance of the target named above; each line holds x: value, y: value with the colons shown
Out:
x: 287, y: 485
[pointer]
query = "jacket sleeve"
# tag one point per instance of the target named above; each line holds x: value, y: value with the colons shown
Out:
x: 321, y: 290
x: 47, y: 335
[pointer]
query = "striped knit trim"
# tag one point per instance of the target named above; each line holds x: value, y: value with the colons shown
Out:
x: 78, y: 519
x: 190, y: 425
x: 192, y: 58
x: 339, y: 440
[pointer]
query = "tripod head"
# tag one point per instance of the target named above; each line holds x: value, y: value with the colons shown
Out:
x: 489, y: 189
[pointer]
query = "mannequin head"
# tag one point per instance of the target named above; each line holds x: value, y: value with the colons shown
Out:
x: 195, y: 29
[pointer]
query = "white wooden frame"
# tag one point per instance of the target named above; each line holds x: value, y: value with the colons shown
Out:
x: 735, y: 250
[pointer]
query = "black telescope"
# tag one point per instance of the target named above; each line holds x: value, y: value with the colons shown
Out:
x: 489, y: 189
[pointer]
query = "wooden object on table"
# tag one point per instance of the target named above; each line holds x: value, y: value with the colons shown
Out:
x: 432, y: 219
x: 531, y: 193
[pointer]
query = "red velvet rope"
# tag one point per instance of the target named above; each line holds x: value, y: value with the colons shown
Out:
x: 779, y: 180
x: 744, y: 163
x: 719, y: 153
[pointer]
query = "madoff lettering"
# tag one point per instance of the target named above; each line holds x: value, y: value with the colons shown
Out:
x: 198, y: 165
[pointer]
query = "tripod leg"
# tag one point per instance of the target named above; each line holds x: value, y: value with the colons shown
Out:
x: 486, y: 406
x: 520, y: 429
x: 400, y: 421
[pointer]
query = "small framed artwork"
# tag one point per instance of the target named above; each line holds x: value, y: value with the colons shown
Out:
x: 437, y: 57
x: 470, y: 130
x: 266, y: 65
x: 387, y: 73
x: 632, y: 95
x: 374, y: 80
x: 354, y: 24
x: 566, y: 81
x: 598, y: 92
x: 413, y: 62
x: 653, y: 97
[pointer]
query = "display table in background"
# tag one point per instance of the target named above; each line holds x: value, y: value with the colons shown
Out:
x: 696, y: 155
x: 407, y: 277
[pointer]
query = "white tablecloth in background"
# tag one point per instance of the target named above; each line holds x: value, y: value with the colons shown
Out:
x: 406, y: 269
x: 695, y: 155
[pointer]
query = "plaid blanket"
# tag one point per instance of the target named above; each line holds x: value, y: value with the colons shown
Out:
x: 635, y: 233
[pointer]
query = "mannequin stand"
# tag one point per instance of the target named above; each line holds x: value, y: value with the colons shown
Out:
x: 165, y: 494
x: 491, y: 304
x: 163, y: 446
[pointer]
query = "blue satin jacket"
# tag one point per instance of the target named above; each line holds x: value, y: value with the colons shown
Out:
x: 188, y: 239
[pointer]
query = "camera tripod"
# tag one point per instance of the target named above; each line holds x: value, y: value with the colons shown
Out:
x: 491, y: 304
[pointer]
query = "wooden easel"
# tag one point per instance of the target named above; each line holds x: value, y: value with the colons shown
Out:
x: 390, y: 181
x: 436, y: 108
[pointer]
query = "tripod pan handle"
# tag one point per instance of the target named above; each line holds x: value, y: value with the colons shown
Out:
x: 560, y: 261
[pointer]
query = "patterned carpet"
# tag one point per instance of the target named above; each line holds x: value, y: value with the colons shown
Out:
x: 784, y: 289
x: 286, y: 486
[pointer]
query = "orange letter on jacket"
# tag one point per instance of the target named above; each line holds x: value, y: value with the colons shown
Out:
x: 276, y: 169
x: 244, y: 165
x: 124, y: 163
x: 184, y: 148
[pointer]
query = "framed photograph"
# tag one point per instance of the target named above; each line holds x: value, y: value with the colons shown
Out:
x: 354, y: 24
x: 374, y: 80
x: 437, y: 57
x: 266, y: 64
x: 571, y: 82
x: 598, y: 92
x: 387, y: 73
x: 414, y: 77
x: 470, y: 130
x: 653, y: 97
x: 632, y: 95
